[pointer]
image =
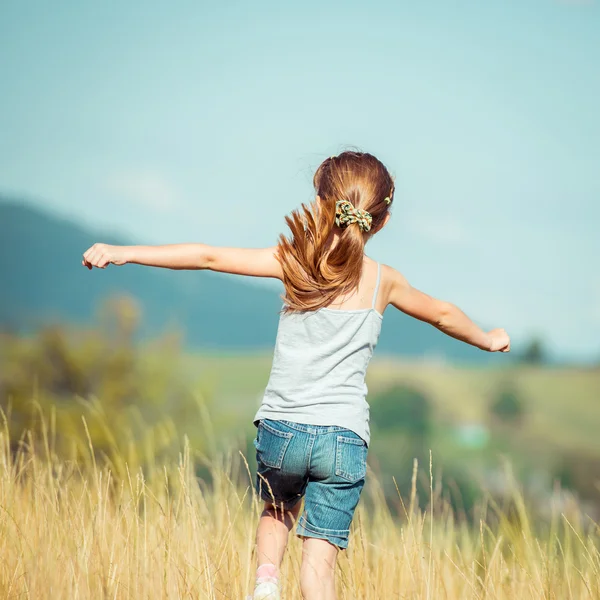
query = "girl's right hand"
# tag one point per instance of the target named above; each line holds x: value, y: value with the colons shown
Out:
x: 499, y: 340
x: 102, y: 255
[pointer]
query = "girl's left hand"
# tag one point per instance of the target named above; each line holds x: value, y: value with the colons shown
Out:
x: 102, y: 255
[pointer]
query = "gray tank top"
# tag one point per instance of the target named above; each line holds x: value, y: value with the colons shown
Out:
x: 319, y: 367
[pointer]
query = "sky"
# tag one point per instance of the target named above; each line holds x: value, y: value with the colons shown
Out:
x: 196, y: 121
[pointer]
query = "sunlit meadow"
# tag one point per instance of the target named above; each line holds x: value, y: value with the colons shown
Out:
x: 85, y: 530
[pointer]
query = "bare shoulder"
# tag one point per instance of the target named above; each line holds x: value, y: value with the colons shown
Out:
x: 391, y: 281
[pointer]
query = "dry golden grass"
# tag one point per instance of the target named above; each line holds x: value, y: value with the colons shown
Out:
x: 73, y: 531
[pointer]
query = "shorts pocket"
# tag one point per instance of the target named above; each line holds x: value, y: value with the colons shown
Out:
x: 350, y: 458
x: 271, y: 445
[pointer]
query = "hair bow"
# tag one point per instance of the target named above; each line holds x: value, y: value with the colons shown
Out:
x: 346, y: 214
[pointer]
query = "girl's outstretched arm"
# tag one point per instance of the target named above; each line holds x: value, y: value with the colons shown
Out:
x: 443, y: 315
x: 241, y: 261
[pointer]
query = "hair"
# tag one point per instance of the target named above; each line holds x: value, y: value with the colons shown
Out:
x: 315, y: 271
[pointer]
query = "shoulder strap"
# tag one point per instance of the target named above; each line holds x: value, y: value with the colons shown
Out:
x: 377, y: 284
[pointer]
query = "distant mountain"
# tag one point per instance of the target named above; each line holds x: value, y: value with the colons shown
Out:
x: 41, y: 279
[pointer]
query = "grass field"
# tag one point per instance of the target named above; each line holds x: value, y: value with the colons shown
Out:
x: 80, y: 531
x: 113, y: 529
x: 563, y: 405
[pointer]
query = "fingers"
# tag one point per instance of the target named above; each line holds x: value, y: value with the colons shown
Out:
x: 96, y: 256
x: 89, y: 252
x: 92, y: 258
x: 85, y: 262
x: 501, y: 340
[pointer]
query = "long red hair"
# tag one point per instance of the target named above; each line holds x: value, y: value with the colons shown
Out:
x: 315, y: 271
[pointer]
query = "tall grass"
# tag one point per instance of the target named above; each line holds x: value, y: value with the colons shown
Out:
x: 73, y: 530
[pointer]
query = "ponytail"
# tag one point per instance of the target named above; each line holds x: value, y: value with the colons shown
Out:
x: 354, y: 192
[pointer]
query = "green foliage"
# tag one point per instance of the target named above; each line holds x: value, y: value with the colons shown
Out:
x: 534, y: 353
x: 401, y: 420
x: 507, y: 405
x: 578, y: 471
x: 402, y: 408
x: 98, y: 389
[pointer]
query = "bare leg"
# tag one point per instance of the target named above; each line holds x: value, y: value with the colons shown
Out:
x: 272, y: 533
x: 317, y: 574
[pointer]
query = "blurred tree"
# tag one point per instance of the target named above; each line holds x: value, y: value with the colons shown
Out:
x: 133, y: 399
x: 402, y: 408
x: 579, y: 472
x: 401, y: 416
x: 120, y: 316
x: 507, y: 407
x: 534, y: 353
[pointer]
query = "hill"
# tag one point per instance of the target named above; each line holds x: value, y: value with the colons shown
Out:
x: 41, y: 280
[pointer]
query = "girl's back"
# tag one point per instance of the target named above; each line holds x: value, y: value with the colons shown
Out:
x: 321, y: 358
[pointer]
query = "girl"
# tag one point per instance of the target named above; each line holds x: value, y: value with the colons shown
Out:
x: 313, y: 424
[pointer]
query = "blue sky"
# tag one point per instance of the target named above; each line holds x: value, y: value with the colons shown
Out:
x: 194, y: 121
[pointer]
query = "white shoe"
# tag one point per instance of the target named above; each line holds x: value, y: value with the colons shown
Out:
x: 267, y: 590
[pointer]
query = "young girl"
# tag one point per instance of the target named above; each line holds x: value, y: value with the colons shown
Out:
x: 313, y: 424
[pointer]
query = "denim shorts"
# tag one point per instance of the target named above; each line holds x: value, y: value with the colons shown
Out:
x: 326, y: 465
